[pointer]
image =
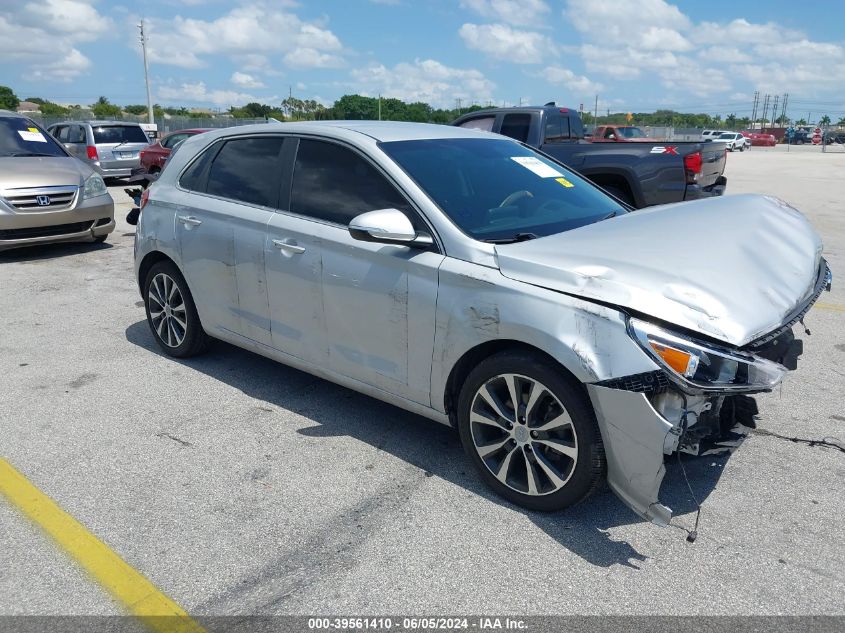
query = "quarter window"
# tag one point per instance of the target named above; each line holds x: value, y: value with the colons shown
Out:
x: 247, y: 170
x: 557, y: 129
x: 516, y: 126
x: 335, y: 184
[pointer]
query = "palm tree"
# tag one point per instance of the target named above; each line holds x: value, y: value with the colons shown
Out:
x: 801, y: 122
x: 841, y: 121
x: 824, y: 121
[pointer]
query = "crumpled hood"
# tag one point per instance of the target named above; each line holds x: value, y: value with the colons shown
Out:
x: 731, y: 267
x: 43, y: 171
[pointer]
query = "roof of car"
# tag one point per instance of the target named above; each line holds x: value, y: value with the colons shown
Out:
x: 378, y: 130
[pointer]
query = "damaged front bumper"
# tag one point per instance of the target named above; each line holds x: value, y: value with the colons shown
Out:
x: 642, y: 418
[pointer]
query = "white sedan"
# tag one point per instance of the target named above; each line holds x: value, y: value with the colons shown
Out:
x: 733, y: 140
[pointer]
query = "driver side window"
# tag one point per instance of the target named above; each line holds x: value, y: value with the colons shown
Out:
x: 333, y: 183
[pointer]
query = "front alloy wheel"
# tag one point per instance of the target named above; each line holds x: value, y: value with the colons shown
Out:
x: 531, y: 448
x: 529, y: 428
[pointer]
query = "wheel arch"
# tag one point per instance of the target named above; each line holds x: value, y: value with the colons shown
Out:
x: 473, y: 356
x: 150, y: 260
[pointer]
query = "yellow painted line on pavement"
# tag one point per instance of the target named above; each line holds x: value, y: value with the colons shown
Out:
x: 127, y: 585
x: 830, y: 306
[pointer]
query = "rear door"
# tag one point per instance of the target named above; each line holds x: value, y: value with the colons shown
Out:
x: 221, y: 230
x: 293, y: 263
x: 119, y: 145
x: 378, y: 300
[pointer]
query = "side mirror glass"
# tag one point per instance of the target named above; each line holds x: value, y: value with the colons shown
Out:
x: 388, y: 226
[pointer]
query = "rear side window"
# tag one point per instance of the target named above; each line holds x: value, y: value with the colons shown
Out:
x: 119, y: 134
x: 481, y: 123
x: 516, y: 126
x: 173, y: 139
x: 335, y: 184
x: 557, y: 129
x: 75, y: 134
x: 247, y: 170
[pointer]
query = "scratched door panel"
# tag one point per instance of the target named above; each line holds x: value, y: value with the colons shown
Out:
x: 379, y: 303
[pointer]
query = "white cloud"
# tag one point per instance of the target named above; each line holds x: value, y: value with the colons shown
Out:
x: 682, y: 57
x: 243, y: 80
x: 312, y: 58
x: 199, y: 93
x: 257, y: 30
x: 424, y: 80
x: 42, y: 38
x: 503, y: 42
x: 517, y: 12
x: 579, y: 85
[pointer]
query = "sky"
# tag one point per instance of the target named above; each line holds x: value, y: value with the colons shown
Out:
x: 695, y: 56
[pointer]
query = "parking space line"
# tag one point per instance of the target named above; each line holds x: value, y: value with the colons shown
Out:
x: 127, y: 585
x: 830, y: 306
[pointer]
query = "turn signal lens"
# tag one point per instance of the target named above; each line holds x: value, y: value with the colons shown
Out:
x: 145, y: 196
x: 682, y: 362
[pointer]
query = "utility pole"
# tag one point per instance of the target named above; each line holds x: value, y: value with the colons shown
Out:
x: 379, y: 107
x: 146, y: 73
x: 783, y: 109
x: 765, y: 111
x: 596, y: 114
x: 754, y: 109
x: 775, y: 110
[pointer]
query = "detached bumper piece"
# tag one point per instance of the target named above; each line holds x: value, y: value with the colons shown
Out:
x: 636, y: 437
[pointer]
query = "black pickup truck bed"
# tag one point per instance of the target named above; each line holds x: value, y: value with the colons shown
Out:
x: 641, y: 173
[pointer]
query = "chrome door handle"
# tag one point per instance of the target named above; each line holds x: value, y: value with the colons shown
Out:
x: 291, y: 247
x: 188, y: 220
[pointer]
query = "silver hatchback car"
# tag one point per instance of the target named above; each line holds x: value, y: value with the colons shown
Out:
x: 468, y: 278
x: 113, y: 148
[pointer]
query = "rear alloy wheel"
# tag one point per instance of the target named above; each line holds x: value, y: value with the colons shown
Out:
x: 171, y: 313
x: 530, y: 432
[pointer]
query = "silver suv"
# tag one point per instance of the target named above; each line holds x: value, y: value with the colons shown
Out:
x: 111, y: 147
x: 46, y: 195
x: 468, y: 278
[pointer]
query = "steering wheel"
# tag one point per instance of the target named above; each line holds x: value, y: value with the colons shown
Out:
x: 516, y: 195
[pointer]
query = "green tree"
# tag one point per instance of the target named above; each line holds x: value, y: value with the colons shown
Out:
x: 825, y: 120
x: 841, y: 121
x: 104, y: 108
x: 8, y: 99
x: 801, y: 122
x: 48, y: 108
x: 135, y: 109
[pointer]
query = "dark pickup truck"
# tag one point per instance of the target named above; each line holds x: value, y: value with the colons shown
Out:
x: 641, y: 173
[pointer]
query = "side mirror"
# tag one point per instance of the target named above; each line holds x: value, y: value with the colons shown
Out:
x: 387, y: 226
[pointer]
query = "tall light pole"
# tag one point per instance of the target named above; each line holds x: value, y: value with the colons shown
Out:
x: 146, y: 73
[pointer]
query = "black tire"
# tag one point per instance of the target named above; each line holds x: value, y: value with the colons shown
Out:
x: 742, y: 149
x: 588, y: 471
x: 194, y: 339
x: 623, y: 194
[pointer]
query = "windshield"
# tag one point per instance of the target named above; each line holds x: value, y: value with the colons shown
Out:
x: 631, y: 132
x: 498, y: 190
x: 22, y: 137
x: 728, y: 136
x: 120, y: 134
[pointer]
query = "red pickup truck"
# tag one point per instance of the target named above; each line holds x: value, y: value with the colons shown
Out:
x: 619, y: 134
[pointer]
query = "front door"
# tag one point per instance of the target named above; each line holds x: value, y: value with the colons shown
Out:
x: 378, y: 300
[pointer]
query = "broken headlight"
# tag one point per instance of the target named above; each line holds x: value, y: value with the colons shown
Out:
x: 696, y: 366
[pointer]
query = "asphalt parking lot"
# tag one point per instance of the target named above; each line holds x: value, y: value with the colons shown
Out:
x: 237, y: 485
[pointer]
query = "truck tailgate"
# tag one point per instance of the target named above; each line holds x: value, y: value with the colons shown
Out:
x: 713, y: 158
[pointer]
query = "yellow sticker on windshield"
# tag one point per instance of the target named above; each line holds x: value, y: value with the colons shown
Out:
x: 32, y: 129
x: 564, y: 182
